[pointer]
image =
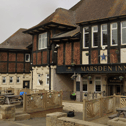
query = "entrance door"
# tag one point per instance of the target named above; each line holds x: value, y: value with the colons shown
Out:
x: 26, y: 84
x: 118, y: 89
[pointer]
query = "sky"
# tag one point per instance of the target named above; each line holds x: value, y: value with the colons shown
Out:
x: 16, y: 14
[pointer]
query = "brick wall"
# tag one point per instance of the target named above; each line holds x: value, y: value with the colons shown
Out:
x: 27, y: 67
x: 51, y: 56
x: 76, y: 53
x: 12, y: 56
x: 94, y: 57
x: 35, y: 43
x: 20, y: 67
x: 44, y: 61
x: 60, y: 55
x: 3, y: 67
x: 34, y: 58
x: 11, y: 67
x: 113, y: 56
x: 39, y: 58
x: 20, y: 57
x: 68, y: 53
x: 3, y: 56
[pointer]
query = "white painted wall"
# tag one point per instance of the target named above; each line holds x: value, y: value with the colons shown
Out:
x: 85, y: 58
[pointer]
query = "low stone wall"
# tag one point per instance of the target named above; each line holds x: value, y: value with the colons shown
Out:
x: 7, y: 112
x: 117, y: 122
x: 77, y: 107
x: 44, y: 112
x: 61, y: 119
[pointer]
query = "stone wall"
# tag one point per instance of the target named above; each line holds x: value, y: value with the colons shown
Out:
x: 61, y: 119
x: 7, y: 112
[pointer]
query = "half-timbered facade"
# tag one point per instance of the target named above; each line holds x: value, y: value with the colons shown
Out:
x: 82, y: 49
x: 15, y: 61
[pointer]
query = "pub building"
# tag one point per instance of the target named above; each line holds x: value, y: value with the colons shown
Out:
x: 82, y: 49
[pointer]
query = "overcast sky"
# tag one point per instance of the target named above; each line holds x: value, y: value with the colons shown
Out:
x: 15, y: 14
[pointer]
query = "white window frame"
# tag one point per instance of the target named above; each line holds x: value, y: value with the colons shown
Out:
x: 100, y: 83
x: 87, y: 84
x: 11, y: 78
x: 18, y: 79
x: 84, y: 37
x: 40, y: 43
x: 3, y: 79
x: 25, y: 57
x: 102, y: 35
x: 111, y: 33
x: 121, y: 33
x: 47, y: 77
x: 93, y: 37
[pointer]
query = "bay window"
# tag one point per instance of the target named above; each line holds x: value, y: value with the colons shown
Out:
x: 114, y: 40
x: 94, y: 36
x: 103, y: 34
x: 42, y: 41
x: 86, y: 37
x: 123, y: 33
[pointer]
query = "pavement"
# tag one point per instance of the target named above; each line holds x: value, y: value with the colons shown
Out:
x: 29, y: 122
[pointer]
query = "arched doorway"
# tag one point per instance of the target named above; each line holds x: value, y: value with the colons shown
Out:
x: 115, y: 85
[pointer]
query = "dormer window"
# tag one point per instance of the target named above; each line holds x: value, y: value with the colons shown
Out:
x: 42, y: 41
x: 114, y: 40
x: 86, y: 37
x: 95, y: 36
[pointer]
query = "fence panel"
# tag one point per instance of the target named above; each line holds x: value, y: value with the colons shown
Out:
x: 122, y: 102
x: 92, y: 109
x: 53, y: 99
x: 34, y: 102
x: 107, y: 105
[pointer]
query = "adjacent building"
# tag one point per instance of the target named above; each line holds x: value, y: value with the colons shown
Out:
x: 15, y: 61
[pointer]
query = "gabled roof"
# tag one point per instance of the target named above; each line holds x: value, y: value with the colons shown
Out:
x: 18, y: 40
x: 90, y: 10
x: 69, y: 34
x: 60, y: 17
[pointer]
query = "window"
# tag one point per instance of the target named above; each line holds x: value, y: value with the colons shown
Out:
x: 47, y: 79
x: 103, y: 34
x: 18, y: 79
x: 27, y: 57
x: 123, y: 33
x: 42, y: 41
x: 94, y: 36
x: 84, y: 85
x: 86, y: 37
x: 114, y: 34
x: 11, y: 79
x: 4, y: 79
x: 97, y: 83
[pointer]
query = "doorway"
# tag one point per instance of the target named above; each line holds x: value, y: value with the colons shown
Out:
x: 115, y: 85
x: 26, y: 84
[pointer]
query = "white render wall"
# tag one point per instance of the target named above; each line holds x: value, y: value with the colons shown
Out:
x: 43, y: 71
x: 14, y: 84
